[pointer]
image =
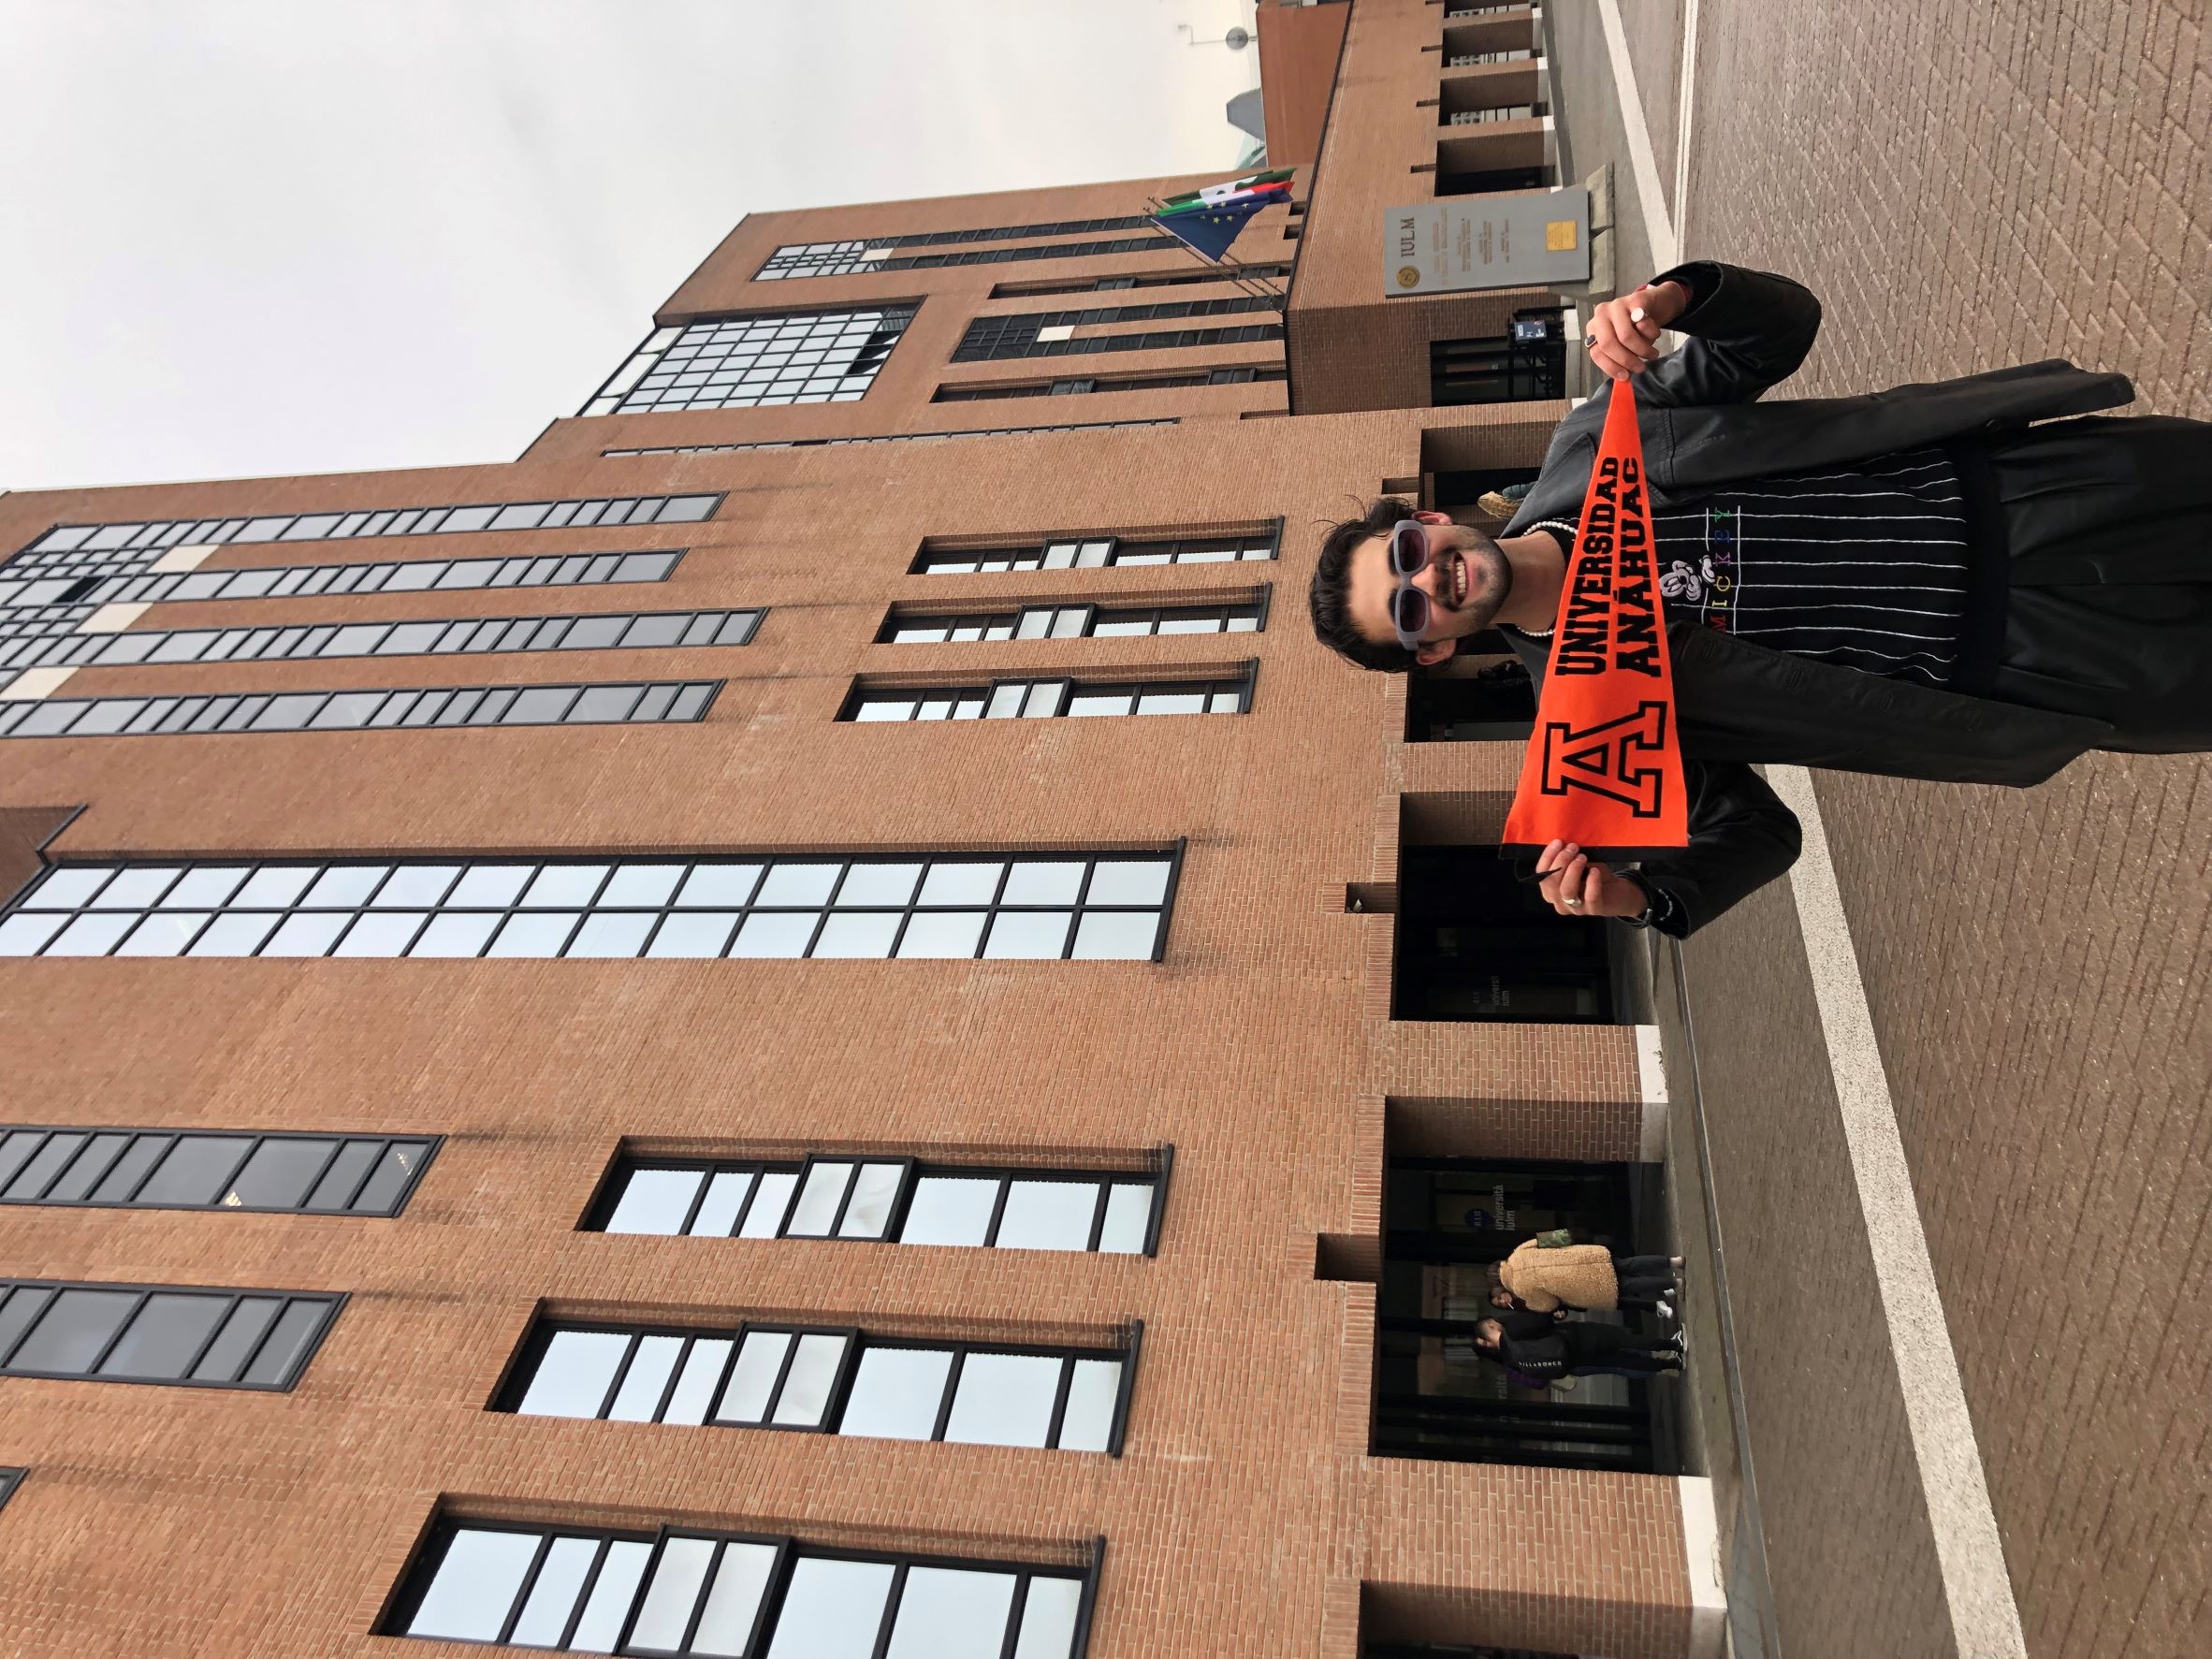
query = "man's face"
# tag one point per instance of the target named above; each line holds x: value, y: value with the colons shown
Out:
x: 1466, y: 580
x: 1490, y: 1331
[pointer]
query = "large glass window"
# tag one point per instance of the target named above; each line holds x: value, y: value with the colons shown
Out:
x: 1527, y: 362
x: 832, y: 1381
x: 743, y: 362
x: 1437, y: 1395
x: 1094, y: 551
x: 980, y: 391
x: 685, y: 1591
x: 1143, y: 279
x: 907, y: 625
x: 1073, y: 426
x: 1070, y: 907
x: 48, y: 593
x: 871, y: 700
x: 567, y: 630
x: 896, y: 1200
x: 212, y: 1170
x: 883, y: 253
x: 574, y: 514
x: 612, y: 703
x: 1051, y: 333
x: 160, y: 1333
x: 1474, y: 944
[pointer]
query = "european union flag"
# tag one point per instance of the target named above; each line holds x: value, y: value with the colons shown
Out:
x: 1208, y: 231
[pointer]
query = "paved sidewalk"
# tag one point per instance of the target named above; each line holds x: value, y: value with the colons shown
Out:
x: 1968, y: 186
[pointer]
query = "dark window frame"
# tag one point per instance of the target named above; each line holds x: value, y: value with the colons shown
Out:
x: 937, y: 555
x: 157, y: 535
x: 1069, y: 426
x: 332, y: 1301
x: 530, y: 1355
x: 663, y: 911
x: 414, y: 708
x: 614, y: 1182
x: 1230, y: 375
x: 1253, y: 603
x: 868, y: 691
x: 301, y: 641
x: 253, y: 1139
x: 692, y: 339
x: 429, y: 1556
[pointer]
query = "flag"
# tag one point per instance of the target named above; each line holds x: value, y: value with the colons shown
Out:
x: 1215, y: 193
x: 1209, y: 230
x: 1260, y: 194
x: 1604, y: 767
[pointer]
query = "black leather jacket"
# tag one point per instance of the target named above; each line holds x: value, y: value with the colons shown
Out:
x: 1741, y: 703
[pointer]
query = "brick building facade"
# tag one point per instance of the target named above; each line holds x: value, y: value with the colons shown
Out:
x: 1174, y: 1015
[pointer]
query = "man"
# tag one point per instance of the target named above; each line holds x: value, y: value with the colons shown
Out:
x: 1916, y: 582
x: 1578, y: 1349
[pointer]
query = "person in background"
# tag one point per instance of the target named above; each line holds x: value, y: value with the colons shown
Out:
x: 1501, y: 503
x: 1542, y: 1277
x: 1577, y: 1349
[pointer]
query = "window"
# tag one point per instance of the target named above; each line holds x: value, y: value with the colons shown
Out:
x: 1150, y: 279
x: 905, y: 626
x: 1493, y: 112
x: 1474, y: 943
x: 34, y: 632
x: 974, y: 391
x: 9, y: 1480
x: 850, y: 258
x: 161, y: 1333
x: 567, y: 630
x: 1047, y: 698
x: 1453, y: 180
x: 685, y: 1591
x: 890, y: 1200
x: 1529, y: 361
x: 744, y: 362
x: 1094, y: 551
x: 1497, y: 703
x: 212, y: 1170
x: 159, y: 535
x: 829, y: 1381
x: 1072, y: 907
x: 1436, y: 1395
x: 627, y: 703
x: 1080, y: 425
x: 1031, y: 334
x: 47, y: 596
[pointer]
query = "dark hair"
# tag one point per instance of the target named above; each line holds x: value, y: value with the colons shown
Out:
x: 1330, y: 596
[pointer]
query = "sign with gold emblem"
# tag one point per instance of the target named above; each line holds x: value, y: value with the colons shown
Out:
x: 1529, y: 240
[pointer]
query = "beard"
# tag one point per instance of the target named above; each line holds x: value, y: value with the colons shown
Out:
x: 1490, y: 582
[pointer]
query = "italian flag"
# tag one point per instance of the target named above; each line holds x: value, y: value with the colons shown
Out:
x: 1213, y: 195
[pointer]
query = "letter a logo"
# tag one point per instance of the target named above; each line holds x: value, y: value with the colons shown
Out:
x: 1597, y: 757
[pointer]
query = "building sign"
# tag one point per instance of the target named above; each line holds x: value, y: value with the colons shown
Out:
x: 1531, y: 240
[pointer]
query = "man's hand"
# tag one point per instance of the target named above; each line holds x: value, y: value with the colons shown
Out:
x: 1623, y: 333
x: 1574, y: 886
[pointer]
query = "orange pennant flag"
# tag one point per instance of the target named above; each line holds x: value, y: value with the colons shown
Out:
x: 1604, y: 768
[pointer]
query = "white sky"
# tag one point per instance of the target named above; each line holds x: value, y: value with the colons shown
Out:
x: 256, y: 237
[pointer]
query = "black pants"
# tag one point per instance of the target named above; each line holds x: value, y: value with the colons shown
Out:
x: 2108, y: 529
x: 1596, y: 1350
x: 1642, y: 1281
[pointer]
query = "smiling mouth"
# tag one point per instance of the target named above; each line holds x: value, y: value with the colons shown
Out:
x: 1459, y: 581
